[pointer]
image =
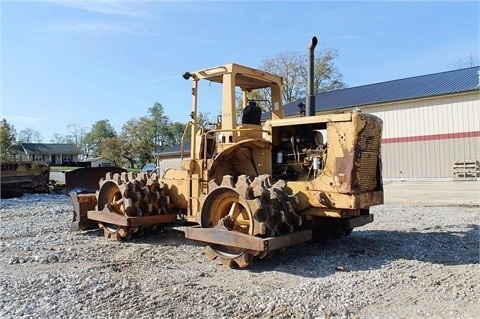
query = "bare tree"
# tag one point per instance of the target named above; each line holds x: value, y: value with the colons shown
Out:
x: 471, y: 59
x: 289, y: 65
x: 292, y: 66
x: 62, y: 139
x: 77, y: 131
x: 29, y: 135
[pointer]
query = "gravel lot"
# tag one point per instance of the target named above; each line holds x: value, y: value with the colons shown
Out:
x: 419, y: 259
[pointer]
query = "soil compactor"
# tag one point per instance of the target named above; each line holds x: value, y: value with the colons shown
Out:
x: 252, y: 189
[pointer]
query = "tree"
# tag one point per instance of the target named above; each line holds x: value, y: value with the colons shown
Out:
x: 137, y: 142
x: 292, y: 66
x: 78, y: 131
x: 472, y: 59
x: 29, y: 135
x: 203, y: 121
x: 62, y: 139
x: 8, y: 136
x: 92, y: 141
x: 112, y: 149
x: 159, y: 126
x: 176, y: 132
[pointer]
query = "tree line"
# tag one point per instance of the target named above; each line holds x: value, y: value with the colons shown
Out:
x: 132, y: 147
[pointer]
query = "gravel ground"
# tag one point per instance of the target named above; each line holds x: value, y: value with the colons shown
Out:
x: 414, y: 261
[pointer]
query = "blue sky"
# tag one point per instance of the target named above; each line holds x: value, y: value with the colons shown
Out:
x: 83, y: 61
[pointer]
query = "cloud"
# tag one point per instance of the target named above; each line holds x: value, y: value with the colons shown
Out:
x: 160, y: 79
x: 351, y: 37
x: 116, y: 17
x: 24, y: 119
x: 106, y: 7
x: 98, y: 28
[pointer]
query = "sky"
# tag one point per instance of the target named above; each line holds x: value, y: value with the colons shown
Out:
x: 79, y: 62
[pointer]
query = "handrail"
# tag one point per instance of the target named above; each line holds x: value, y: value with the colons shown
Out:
x: 183, y: 138
x: 238, y: 129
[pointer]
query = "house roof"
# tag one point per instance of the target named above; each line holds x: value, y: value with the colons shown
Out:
x: 436, y: 84
x: 176, y: 149
x: 94, y: 159
x: 49, y: 148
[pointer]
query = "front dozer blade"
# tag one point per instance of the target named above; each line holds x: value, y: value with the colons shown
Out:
x: 88, y: 178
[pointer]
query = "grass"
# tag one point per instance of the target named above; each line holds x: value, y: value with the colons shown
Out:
x: 62, y: 168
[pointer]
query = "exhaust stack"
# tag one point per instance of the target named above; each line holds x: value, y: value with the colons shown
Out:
x: 310, y: 99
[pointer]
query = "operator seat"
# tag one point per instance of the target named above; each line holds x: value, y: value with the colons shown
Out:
x: 252, y: 114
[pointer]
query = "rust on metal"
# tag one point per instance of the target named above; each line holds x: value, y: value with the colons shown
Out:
x: 347, y: 201
x: 244, y: 241
x: 279, y: 242
x: 18, y: 178
x: 87, y: 177
x: 82, y: 203
x: 117, y: 219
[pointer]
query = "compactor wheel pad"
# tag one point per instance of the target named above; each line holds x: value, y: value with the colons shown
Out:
x: 130, y: 194
x: 254, y: 207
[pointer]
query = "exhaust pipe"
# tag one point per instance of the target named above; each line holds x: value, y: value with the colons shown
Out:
x: 310, y: 99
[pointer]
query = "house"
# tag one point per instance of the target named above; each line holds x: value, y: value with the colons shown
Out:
x: 55, y: 154
x: 97, y: 162
x: 430, y: 122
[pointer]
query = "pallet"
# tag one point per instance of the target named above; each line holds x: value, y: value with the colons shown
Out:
x: 465, y: 171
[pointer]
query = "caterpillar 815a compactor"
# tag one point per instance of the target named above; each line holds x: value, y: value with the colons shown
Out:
x: 253, y: 188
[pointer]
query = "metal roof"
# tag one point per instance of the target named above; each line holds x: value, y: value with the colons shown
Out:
x: 449, y: 82
x: 49, y: 148
x: 175, y: 149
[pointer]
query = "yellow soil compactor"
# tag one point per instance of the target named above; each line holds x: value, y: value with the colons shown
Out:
x: 253, y: 188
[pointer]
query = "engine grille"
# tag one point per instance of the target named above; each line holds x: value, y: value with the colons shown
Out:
x: 369, y: 151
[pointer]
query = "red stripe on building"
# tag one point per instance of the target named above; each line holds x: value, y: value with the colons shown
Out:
x: 432, y: 137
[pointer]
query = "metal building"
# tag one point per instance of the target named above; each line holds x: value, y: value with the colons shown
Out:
x: 431, y: 121
x: 171, y: 158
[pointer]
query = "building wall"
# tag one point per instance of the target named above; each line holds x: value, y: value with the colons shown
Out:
x: 102, y: 163
x: 55, y: 159
x: 171, y: 161
x: 423, y: 138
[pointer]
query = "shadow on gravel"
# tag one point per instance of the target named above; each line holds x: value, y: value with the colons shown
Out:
x: 362, y: 250
x: 158, y: 236
x: 373, y: 249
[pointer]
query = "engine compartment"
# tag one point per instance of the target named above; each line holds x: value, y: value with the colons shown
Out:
x: 299, y: 151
